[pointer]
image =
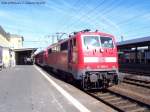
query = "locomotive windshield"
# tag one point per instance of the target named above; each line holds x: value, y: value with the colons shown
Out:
x: 97, y: 41
x: 106, y: 42
x: 92, y: 41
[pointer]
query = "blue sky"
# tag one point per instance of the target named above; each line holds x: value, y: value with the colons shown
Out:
x: 38, y: 22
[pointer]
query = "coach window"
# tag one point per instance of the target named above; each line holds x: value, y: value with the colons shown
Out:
x: 64, y: 46
x: 57, y: 48
x: 54, y: 49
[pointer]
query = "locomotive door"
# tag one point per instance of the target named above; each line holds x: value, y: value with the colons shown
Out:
x: 70, y: 55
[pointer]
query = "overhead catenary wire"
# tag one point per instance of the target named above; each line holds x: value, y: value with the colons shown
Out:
x: 94, y: 16
x: 70, y: 8
x: 113, y: 8
x: 138, y: 29
x: 95, y: 13
x: 147, y: 33
x: 109, y: 9
x: 105, y: 13
x: 84, y: 15
x: 141, y: 14
x: 72, y: 16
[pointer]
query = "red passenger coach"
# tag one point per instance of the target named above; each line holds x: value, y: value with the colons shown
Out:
x: 86, y: 57
x: 41, y: 58
x: 38, y: 58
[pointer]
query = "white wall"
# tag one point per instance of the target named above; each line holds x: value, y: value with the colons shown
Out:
x: 6, y: 57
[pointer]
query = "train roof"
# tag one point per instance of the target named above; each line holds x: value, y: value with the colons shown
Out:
x: 98, y: 33
x: 59, y: 42
x: 84, y: 32
x: 38, y: 52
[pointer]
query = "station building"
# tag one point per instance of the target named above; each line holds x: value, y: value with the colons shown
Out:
x: 11, y: 50
x: 16, y: 41
x: 9, y: 42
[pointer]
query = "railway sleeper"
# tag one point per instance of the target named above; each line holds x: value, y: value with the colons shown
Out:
x: 127, y: 105
x: 119, y: 102
x: 134, y: 109
x: 103, y: 94
x: 108, y: 97
x: 140, y: 109
x: 114, y: 99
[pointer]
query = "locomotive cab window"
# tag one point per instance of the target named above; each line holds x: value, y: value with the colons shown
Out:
x: 74, y: 42
x: 106, y: 42
x: 91, y: 41
x: 49, y: 51
x: 64, y: 46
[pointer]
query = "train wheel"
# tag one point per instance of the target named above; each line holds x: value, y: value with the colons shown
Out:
x: 107, y: 83
x: 77, y: 83
x: 69, y: 78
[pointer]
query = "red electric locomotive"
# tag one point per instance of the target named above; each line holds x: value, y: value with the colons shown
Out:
x: 86, y: 57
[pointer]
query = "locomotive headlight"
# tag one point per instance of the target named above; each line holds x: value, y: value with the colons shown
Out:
x: 110, y: 59
x: 88, y: 67
x: 113, y: 67
x: 93, y: 78
x: 91, y: 59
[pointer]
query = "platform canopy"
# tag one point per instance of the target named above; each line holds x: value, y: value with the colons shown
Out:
x: 26, y: 49
x: 138, y: 42
x: 22, y: 54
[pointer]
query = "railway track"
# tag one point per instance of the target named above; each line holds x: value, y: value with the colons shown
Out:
x: 138, y: 82
x: 120, y: 102
x: 136, y: 72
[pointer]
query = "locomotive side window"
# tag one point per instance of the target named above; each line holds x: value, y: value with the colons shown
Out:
x: 106, y: 42
x: 92, y: 41
x: 74, y: 42
x: 49, y: 51
x: 64, y: 46
x: 58, y: 48
x: 54, y: 49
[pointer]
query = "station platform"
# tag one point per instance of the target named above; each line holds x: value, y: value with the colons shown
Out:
x: 30, y: 89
